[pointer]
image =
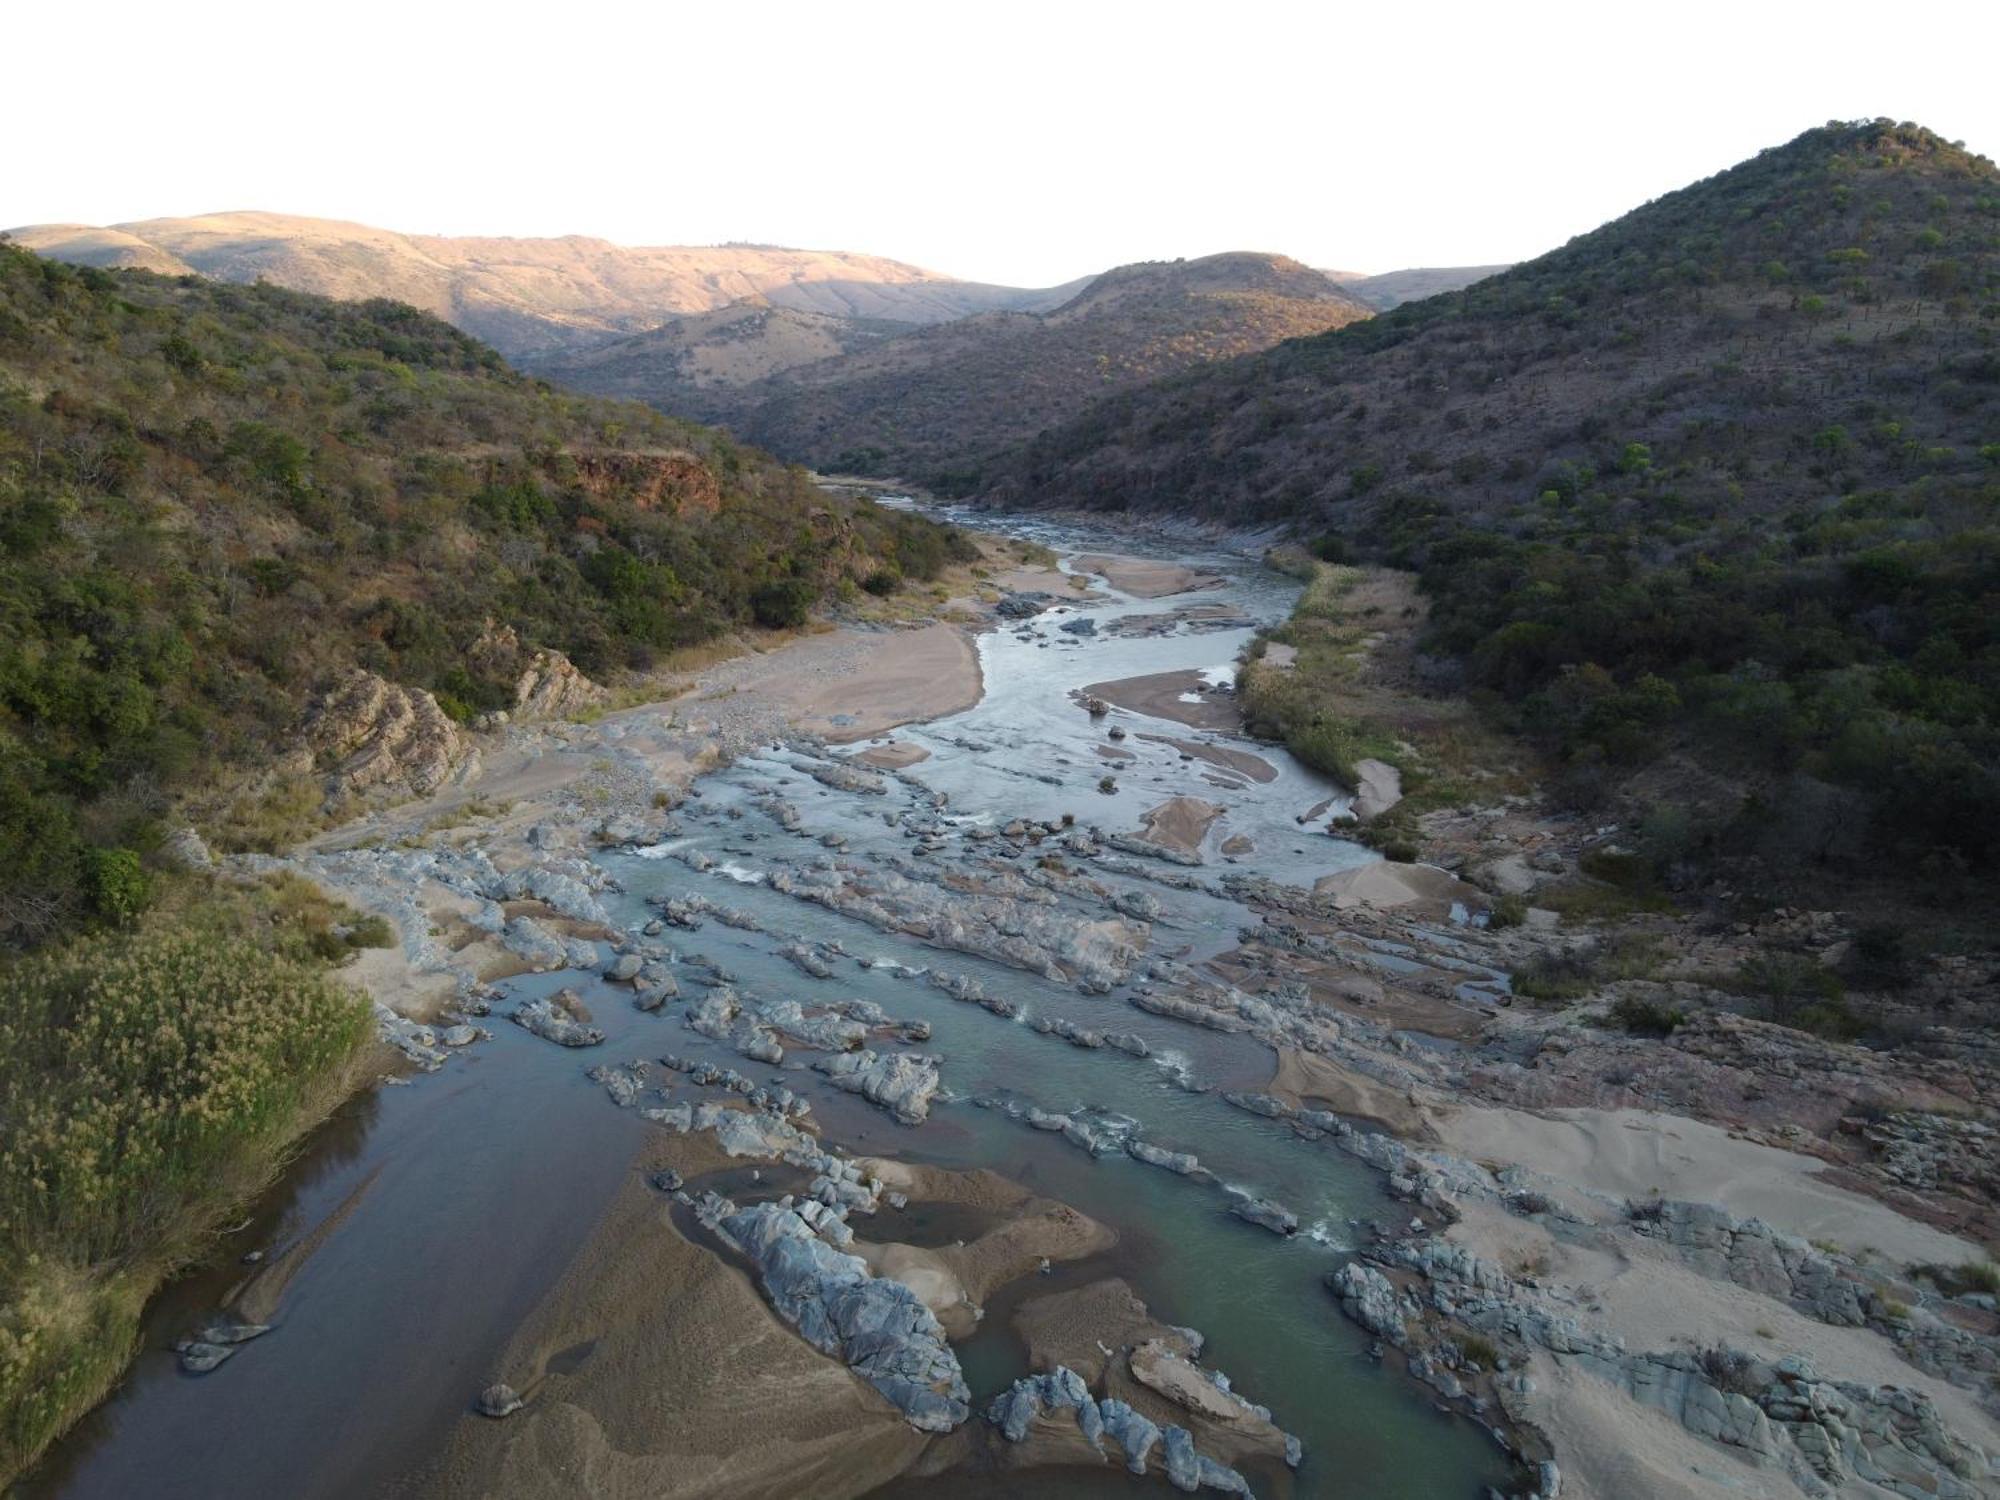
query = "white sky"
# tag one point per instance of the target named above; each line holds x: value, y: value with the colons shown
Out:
x: 1025, y: 142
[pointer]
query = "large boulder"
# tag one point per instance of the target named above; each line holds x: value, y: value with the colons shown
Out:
x: 369, y: 733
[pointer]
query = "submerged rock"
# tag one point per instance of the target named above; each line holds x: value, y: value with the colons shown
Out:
x: 498, y: 1400
x: 1263, y: 1213
x: 551, y: 1023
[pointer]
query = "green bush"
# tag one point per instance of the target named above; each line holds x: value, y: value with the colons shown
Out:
x: 1646, y: 1017
x: 785, y: 605
x: 148, y: 1081
x: 118, y: 885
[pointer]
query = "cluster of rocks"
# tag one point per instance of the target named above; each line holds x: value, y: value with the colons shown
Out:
x: 1059, y: 1390
x: 1823, y: 1432
x: 1011, y: 929
x: 561, y: 1018
x: 901, y: 1082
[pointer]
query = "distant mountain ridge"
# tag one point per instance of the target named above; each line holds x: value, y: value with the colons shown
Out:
x: 1394, y: 288
x: 928, y: 403
x: 526, y: 297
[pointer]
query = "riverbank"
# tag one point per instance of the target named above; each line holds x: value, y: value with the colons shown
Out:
x: 942, y: 897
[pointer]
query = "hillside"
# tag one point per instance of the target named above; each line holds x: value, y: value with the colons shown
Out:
x: 523, y: 296
x: 1394, y: 288
x: 215, y: 500
x: 929, y: 403
x: 682, y: 365
x: 1704, y: 499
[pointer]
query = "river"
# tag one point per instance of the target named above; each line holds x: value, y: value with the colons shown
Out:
x: 456, y: 1198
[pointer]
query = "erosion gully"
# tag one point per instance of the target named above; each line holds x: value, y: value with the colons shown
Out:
x: 447, y: 1203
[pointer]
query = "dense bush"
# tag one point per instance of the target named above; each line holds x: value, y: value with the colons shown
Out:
x: 147, y: 1081
x: 212, y: 497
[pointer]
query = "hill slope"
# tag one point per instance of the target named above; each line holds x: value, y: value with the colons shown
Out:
x: 1721, y: 476
x: 930, y: 402
x: 1394, y: 288
x: 215, y: 500
x: 682, y: 365
x: 524, y: 296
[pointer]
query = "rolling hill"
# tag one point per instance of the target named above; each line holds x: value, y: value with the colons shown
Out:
x: 526, y: 297
x: 928, y: 403
x: 1720, y: 478
x: 1394, y: 288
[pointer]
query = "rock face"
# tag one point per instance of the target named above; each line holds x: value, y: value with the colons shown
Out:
x: 879, y: 1327
x: 372, y: 733
x: 547, y: 684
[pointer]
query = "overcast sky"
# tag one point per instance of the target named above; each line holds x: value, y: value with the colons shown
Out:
x: 1025, y: 143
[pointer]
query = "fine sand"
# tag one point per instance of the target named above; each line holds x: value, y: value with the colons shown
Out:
x: 893, y: 755
x: 1180, y: 823
x: 1160, y: 695
x: 1145, y: 577
x: 1386, y: 885
x: 1313, y: 1080
x: 851, y: 685
x: 1242, y: 762
x: 1631, y: 1153
x: 653, y: 1370
x: 956, y: 1280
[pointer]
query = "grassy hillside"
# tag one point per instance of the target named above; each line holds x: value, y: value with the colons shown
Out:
x: 524, y: 296
x: 931, y: 403
x: 1720, y: 478
x: 213, y: 500
x: 214, y: 497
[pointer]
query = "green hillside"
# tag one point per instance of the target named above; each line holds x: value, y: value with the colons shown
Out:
x: 1718, y: 478
x: 212, y: 497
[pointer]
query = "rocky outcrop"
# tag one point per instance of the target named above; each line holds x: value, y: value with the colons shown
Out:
x: 551, y: 1022
x: 546, y: 683
x: 901, y: 1082
x: 368, y: 733
x: 879, y: 1327
x: 1015, y: 1410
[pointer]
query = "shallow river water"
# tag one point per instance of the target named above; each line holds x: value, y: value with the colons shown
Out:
x: 466, y: 1192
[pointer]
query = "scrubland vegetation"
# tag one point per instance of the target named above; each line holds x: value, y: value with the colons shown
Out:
x: 1705, y: 505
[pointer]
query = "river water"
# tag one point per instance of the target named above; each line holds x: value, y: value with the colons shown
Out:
x: 458, y: 1198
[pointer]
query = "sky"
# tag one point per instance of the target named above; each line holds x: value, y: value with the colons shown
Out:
x: 1025, y: 143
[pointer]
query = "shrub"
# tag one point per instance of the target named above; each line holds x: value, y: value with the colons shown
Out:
x: 148, y: 1081
x: 1647, y: 1017
x: 883, y: 582
x: 119, y: 887
x: 784, y: 605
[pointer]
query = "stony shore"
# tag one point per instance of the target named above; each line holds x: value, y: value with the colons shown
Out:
x: 1680, y: 1266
